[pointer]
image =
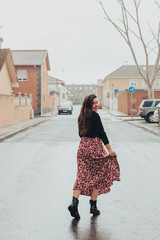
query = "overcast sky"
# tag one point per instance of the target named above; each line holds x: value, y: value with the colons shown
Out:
x: 82, y: 45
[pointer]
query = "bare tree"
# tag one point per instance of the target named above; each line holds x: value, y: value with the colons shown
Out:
x: 126, y: 31
x: 158, y: 3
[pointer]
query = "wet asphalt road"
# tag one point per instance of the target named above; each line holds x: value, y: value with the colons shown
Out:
x: 37, y: 172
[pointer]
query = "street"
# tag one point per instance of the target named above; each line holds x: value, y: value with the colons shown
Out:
x: 38, y: 170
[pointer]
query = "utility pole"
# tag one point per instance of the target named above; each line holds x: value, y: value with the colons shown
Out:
x: 1, y: 38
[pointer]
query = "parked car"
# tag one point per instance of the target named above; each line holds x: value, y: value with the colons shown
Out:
x: 65, y: 107
x: 155, y: 117
x: 147, y: 108
x: 159, y: 116
x: 71, y: 104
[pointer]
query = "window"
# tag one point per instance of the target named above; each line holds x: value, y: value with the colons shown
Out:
x: 144, y: 84
x: 133, y: 83
x: 22, y: 74
x: 157, y: 82
x: 157, y: 102
x: 147, y: 104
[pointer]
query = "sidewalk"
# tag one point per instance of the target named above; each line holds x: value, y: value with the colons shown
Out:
x: 11, y: 130
x: 138, y: 121
x: 123, y: 115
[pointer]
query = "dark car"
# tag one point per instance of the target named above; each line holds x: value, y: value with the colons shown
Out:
x: 65, y: 107
x: 147, y: 108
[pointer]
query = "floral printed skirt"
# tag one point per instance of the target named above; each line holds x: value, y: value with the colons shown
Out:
x: 95, y: 168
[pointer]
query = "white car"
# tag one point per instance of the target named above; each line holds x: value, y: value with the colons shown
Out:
x: 155, y: 117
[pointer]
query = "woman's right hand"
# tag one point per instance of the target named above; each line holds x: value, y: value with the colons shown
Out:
x: 112, y: 153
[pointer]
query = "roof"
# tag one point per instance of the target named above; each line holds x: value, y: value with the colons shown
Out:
x: 129, y: 71
x: 51, y: 79
x: 81, y: 85
x: 30, y: 57
x: 3, y: 56
x: 6, y: 57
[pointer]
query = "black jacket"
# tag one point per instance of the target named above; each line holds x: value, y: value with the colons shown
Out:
x: 96, y: 128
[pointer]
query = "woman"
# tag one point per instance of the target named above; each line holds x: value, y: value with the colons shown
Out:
x: 97, y: 169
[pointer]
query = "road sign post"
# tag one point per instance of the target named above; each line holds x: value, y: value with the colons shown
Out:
x: 132, y: 90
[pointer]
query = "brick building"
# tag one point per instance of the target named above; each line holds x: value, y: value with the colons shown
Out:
x: 76, y: 92
x: 32, y: 68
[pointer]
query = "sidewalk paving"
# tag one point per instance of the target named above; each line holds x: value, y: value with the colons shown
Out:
x: 138, y: 121
x: 11, y: 130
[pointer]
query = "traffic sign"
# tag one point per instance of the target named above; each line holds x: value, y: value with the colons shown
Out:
x: 132, y: 89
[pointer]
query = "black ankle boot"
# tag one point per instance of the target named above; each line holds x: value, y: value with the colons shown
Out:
x: 73, y: 208
x: 94, y: 208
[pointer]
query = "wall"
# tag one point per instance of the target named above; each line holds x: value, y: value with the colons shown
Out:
x: 29, y: 86
x: 124, y: 100
x: 124, y: 83
x: 119, y: 83
x: 45, y: 98
x: 100, y: 94
x: 55, y: 102
x: 10, y: 114
x: 5, y: 82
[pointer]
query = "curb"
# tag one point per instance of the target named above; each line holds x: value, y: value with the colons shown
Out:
x: 148, y: 130
x: 131, y: 121
x: 11, y: 134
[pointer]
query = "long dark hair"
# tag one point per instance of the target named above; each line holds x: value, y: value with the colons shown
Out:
x: 85, y: 114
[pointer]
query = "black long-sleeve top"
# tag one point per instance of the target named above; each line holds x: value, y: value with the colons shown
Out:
x: 96, y: 128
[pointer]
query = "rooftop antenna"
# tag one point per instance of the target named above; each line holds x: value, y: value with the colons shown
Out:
x: 1, y: 38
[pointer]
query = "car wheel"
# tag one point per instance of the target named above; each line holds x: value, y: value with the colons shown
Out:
x: 150, y: 117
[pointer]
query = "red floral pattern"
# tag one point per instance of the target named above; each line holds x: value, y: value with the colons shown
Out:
x: 96, y: 169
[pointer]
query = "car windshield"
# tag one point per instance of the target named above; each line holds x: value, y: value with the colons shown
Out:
x: 65, y: 104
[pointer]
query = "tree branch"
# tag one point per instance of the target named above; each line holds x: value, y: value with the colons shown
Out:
x: 156, y: 66
x: 125, y: 31
x: 152, y: 50
x: 141, y: 37
x: 156, y: 38
x: 158, y: 3
x: 113, y: 23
